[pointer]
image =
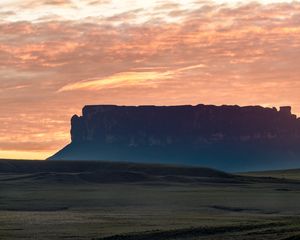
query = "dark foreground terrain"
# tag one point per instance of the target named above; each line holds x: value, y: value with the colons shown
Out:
x: 114, y: 201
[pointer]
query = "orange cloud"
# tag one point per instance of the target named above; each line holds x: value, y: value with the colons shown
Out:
x: 65, y: 3
x: 116, y: 80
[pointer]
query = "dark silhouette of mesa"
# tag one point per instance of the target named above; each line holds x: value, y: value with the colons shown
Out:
x: 230, y: 138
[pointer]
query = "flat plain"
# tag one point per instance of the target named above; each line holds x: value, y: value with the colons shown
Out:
x: 114, y: 201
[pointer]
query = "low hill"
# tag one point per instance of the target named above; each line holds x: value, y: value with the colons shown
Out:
x: 119, y: 172
x: 109, y: 172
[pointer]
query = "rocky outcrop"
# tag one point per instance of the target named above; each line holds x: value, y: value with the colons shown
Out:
x: 226, y: 137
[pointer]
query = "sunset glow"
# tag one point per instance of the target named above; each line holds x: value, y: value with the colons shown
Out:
x: 58, y: 55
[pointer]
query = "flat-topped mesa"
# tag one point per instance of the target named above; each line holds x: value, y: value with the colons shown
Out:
x: 165, y: 125
x: 224, y: 137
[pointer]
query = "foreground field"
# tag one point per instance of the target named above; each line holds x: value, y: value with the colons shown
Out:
x: 143, y: 202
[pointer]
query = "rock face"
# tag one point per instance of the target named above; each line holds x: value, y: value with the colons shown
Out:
x: 224, y: 137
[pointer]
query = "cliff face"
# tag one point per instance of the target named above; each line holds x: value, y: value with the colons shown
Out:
x: 202, y: 134
x: 150, y: 125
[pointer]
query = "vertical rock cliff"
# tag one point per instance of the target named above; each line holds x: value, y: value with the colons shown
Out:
x: 224, y: 137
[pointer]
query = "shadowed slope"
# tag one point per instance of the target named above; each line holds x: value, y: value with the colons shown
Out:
x: 118, y: 172
x: 108, y: 172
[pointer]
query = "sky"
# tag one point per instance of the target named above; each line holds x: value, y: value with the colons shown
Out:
x: 58, y: 55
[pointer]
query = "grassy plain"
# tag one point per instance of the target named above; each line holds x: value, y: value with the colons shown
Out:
x: 53, y: 203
